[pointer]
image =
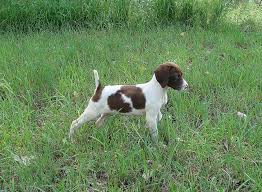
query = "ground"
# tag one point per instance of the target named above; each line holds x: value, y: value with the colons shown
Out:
x: 46, y: 81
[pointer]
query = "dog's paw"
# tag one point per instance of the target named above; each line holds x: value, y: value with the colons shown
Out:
x: 70, y: 136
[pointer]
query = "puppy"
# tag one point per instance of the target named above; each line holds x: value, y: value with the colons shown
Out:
x: 141, y: 99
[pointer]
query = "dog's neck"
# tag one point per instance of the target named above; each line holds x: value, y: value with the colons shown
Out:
x: 154, y: 83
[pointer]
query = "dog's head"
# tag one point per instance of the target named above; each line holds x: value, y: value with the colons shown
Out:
x: 169, y: 74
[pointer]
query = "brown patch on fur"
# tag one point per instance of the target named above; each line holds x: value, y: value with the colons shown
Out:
x: 98, y: 93
x: 116, y: 102
x: 136, y: 95
x: 169, y: 74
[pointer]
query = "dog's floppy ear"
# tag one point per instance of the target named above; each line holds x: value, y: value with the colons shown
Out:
x: 162, y: 75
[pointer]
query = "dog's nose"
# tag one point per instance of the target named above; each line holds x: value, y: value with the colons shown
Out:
x: 185, y: 84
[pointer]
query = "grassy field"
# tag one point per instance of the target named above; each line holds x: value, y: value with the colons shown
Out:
x: 35, y: 15
x: 46, y: 79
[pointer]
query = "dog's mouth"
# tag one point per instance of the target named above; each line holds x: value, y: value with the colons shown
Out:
x: 182, y: 87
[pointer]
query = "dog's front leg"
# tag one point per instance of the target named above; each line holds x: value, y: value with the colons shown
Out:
x: 151, y: 119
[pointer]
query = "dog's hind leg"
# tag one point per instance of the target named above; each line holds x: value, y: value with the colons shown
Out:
x: 89, y: 114
x: 101, y: 119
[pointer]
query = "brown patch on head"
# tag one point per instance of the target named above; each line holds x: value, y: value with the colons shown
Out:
x: 98, y: 93
x: 169, y: 74
x: 136, y: 95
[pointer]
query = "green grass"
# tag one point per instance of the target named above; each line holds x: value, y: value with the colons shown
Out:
x: 35, y: 15
x: 46, y: 79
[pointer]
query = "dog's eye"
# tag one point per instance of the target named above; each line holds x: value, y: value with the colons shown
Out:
x: 177, y: 75
x: 180, y: 75
x: 174, y: 77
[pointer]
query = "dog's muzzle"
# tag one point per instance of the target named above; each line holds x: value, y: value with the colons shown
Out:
x: 184, y: 85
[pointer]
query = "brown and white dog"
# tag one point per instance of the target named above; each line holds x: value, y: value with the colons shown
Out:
x: 140, y: 99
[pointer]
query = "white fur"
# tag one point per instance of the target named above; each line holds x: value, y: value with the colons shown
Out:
x: 155, y: 95
x: 96, y: 78
x: 185, y: 85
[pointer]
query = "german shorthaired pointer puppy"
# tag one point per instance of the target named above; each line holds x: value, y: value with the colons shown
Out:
x: 140, y: 99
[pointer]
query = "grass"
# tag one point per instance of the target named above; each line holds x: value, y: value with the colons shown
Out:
x: 46, y: 79
x: 35, y: 15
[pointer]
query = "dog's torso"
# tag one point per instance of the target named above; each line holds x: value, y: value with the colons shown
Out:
x: 130, y: 99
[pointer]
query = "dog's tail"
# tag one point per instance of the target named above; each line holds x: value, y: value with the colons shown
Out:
x: 97, y: 82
